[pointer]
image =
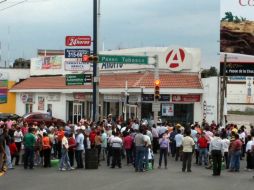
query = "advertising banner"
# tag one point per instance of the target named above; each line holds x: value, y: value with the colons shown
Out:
x: 41, y: 103
x: 3, y: 91
x: 47, y: 63
x: 237, y: 37
x: 76, y: 65
x: 167, y: 110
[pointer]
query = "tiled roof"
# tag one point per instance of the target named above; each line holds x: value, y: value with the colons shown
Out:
x: 135, y: 80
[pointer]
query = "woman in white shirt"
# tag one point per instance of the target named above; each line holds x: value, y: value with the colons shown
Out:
x: 18, y: 138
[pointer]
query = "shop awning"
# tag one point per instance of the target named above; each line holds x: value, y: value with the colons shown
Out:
x: 114, y: 83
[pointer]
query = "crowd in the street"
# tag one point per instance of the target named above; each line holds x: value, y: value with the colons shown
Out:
x: 209, y: 145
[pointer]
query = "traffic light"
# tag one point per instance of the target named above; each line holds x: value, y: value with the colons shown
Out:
x: 157, y: 89
x: 89, y: 58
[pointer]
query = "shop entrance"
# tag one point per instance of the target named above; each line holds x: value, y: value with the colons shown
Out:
x: 75, y: 111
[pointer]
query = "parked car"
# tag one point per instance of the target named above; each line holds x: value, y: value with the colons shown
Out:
x: 39, y: 118
x: 6, y: 116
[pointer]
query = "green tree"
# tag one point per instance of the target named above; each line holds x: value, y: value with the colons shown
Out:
x: 209, y: 72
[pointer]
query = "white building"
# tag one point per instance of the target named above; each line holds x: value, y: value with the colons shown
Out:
x: 181, y: 89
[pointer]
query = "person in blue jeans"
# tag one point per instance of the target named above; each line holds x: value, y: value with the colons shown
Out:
x: 164, y: 146
x: 65, y: 161
x: 140, y: 144
x: 236, y: 148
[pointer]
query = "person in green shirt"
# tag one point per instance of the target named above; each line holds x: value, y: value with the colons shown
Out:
x: 29, y: 142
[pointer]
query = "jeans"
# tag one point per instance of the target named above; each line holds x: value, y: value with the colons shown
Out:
x: 163, y: 153
x: 79, y: 158
x: 8, y: 157
x: 104, y: 152
x: 18, y: 145
x: 140, y: 152
x: 203, y: 156
x: 65, y: 161
x: 235, y: 160
x: 146, y: 157
x: 178, y: 153
x: 29, y: 157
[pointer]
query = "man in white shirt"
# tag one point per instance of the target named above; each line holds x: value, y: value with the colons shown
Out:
x: 79, y: 149
x: 117, y: 144
x: 179, y: 142
x: 18, y: 138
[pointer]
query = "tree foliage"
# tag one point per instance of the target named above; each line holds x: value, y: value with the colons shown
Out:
x: 209, y: 72
x: 231, y: 18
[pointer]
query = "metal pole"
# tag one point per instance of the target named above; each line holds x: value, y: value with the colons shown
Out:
x: 95, y: 79
x: 156, y: 77
x: 223, y: 91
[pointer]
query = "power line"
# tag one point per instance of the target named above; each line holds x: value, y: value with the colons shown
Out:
x: 13, y: 5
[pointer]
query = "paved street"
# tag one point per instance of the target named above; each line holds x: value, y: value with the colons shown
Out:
x: 109, y: 179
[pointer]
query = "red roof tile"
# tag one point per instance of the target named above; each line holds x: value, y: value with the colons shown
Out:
x: 135, y: 80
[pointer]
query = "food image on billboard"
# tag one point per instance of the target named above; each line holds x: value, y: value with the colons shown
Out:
x: 237, y: 37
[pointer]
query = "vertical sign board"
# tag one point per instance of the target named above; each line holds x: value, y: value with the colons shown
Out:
x: 3, y: 91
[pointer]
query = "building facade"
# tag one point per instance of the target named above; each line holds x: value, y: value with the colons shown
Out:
x: 125, y: 89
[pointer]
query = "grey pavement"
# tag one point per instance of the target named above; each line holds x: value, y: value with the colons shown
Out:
x: 125, y: 178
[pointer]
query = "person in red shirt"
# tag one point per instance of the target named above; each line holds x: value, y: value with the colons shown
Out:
x: 202, y: 146
x: 13, y: 150
x: 60, y: 135
x: 46, y: 146
x: 92, y: 138
x: 71, y: 150
x: 236, y: 148
x: 127, y: 143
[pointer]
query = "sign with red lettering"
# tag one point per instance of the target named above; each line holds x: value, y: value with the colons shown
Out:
x: 78, y: 41
x: 186, y: 98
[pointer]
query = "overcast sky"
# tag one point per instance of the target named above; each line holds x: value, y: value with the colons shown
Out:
x: 43, y: 24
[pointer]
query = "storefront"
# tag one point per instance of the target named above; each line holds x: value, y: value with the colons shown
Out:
x: 125, y: 90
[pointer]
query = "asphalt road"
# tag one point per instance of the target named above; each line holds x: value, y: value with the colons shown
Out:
x: 126, y: 179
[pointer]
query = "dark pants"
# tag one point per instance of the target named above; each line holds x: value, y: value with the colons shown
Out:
x: 109, y: 155
x: 216, y: 157
x: 46, y: 154
x: 163, y: 153
x: 116, y: 157
x: 98, y: 147
x: 18, y: 145
x: 29, y: 157
x: 226, y: 159
x: 173, y: 148
x: 197, y: 155
x: 129, y: 155
x: 178, y: 153
x: 249, y: 160
x: 155, y: 144
x: 139, y: 158
x: 59, y: 150
x: 187, y: 157
x: 71, y: 156
x: 79, y: 158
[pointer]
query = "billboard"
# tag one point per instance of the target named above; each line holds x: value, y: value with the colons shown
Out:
x: 237, y: 37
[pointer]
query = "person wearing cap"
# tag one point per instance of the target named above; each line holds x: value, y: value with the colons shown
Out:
x: 216, y: 150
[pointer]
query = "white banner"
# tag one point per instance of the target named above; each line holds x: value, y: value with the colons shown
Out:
x: 76, y: 65
x: 167, y: 110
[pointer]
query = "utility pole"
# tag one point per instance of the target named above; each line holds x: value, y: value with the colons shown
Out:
x: 156, y: 77
x: 95, y: 77
x: 223, y: 91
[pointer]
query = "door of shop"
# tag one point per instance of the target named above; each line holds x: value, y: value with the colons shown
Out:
x: 77, y: 112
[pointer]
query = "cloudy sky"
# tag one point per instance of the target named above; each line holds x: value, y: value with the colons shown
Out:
x: 43, y: 24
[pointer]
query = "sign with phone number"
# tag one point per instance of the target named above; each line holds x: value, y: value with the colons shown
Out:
x: 76, y: 53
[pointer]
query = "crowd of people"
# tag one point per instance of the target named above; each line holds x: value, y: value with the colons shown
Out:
x: 211, y: 145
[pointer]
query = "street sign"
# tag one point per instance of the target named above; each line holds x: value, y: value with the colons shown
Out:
x: 78, y: 79
x: 74, y: 79
x: 87, y: 78
x: 78, y: 40
x: 126, y: 59
x: 76, y: 53
x: 156, y: 107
